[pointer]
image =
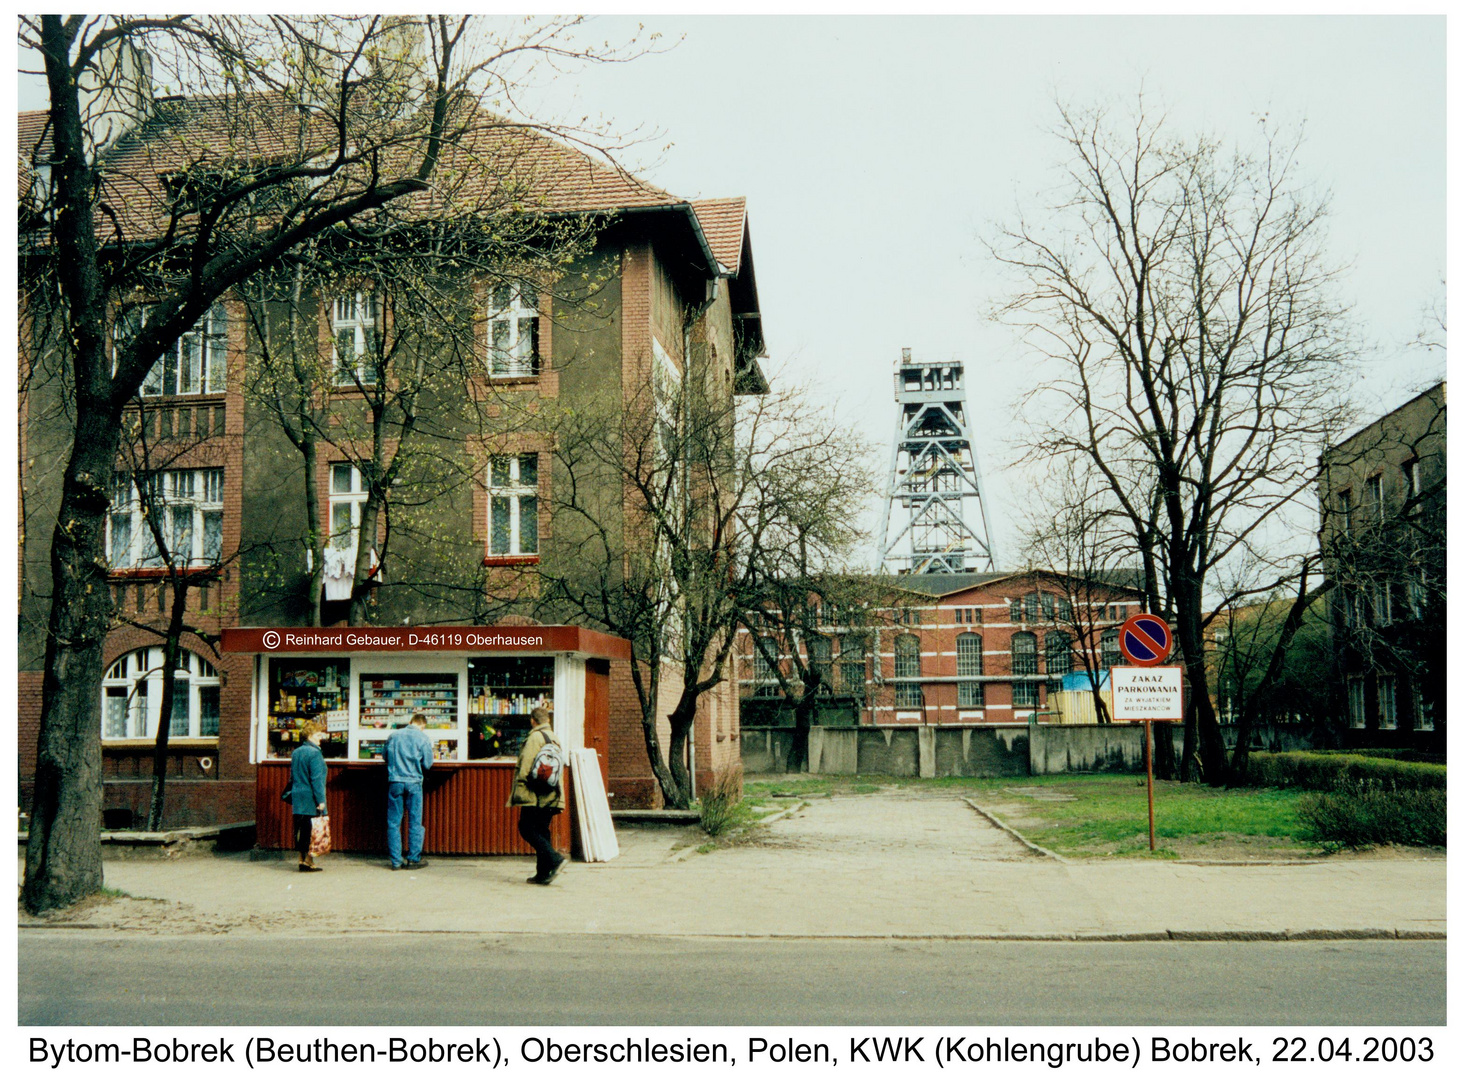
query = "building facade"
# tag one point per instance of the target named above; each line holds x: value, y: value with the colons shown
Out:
x: 660, y: 287
x: 977, y: 648
x: 1382, y: 497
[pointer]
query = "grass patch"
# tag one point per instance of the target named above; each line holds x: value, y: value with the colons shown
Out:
x: 1107, y: 815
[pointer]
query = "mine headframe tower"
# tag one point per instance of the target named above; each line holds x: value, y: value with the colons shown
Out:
x: 935, y: 516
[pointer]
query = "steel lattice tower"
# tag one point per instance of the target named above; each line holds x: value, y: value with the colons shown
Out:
x: 935, y: 516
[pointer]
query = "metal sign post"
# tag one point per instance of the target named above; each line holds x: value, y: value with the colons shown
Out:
x: 1147, y: 692
x: 1150, y: 777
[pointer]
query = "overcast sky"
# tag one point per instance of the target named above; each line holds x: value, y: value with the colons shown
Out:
x: 876, y: 152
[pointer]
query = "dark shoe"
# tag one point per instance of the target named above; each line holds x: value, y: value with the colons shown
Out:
x: 420, y: 864
x: 554, y: 873
x: 310, y: 868
x: 398, y: 866
x: 535, y: 880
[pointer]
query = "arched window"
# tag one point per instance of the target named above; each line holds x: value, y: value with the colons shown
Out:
x: 132, y: 695
x: 969, y: 666
x: 1109, y: 648
x: 908, y: 666
x: 1058, y: 652
x: 1024, y: 662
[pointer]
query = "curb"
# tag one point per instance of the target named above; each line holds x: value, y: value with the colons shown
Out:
x: 683, y: 854
x: 1178, y: 936
x: 1010, y: 831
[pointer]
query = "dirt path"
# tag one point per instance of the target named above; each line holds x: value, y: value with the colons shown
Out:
x: 889, y: 828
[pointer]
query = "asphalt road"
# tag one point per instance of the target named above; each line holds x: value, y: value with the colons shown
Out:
x: 90, y: 977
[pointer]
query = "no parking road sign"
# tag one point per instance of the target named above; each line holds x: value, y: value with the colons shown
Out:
x: 1145, y: 640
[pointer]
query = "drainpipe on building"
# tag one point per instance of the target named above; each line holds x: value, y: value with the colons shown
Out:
x: 689, y: 319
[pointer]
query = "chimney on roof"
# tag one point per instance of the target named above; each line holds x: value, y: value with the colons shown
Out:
x: 116, y: 94
x: 905, y: 356
x: 399, y: 65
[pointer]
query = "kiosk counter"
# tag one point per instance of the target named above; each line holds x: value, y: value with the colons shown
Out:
x: 475, y: 684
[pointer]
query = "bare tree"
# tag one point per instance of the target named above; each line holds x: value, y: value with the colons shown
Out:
x: 287, y: 129
x: 799, y: 528
x: 1182, y: 299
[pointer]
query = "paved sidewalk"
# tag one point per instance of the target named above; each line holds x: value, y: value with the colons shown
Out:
x: 894, y: 864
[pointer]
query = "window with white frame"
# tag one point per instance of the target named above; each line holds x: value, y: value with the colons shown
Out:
x: 356, y: 338
x: 1109, y: 655
x: 1417, y: 591
x: 852, y: 666
x: 969, y: 695
x: 513, y: 504
x: 188, y: 506
x: 1423, y: 711
x: 908, y: 666
x: 1388, y: 705
x: 1383, y: 602
x: 132, y: 697
x: 1345, y: 509
x: 1375, y: 485
x: 1357, y: 704
x: 821, y: 661
x: 513, y: 331
x: 347, y: 498
x: 194, y: 364
x: 1058, y: 651
x: 765, y: 682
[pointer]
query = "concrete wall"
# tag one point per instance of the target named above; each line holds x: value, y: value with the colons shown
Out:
x: 988, y: 750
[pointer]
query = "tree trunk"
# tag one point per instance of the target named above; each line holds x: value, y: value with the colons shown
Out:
x: 64, y: 850
x: 798, y: 754
x: 1101, y: 707
x: 63, y: 860
x: 647, y: 694
x: 682, y: 719
x: 1204, y: 742
x: 171, y: 651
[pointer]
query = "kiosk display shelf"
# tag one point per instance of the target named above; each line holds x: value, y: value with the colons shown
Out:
x: 303, y: 689
x: 388, y: 701
x: 502, y: 691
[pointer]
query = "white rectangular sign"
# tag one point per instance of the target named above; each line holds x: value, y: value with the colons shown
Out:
x: 1147, y: 693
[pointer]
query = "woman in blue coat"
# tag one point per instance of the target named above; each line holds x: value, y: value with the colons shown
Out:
x: 307, y: 790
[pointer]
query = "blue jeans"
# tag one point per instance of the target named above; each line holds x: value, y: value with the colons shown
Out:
x: 398, y: 792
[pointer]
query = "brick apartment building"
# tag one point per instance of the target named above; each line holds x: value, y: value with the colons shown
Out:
x: 674, y: 288
x: 1382, y: 496
x: 972, y: 648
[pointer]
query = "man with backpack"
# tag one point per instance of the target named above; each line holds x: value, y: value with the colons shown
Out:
x: 539, y: 795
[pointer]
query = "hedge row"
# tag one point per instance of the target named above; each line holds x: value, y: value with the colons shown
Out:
x: 1328, y: 772
x: 1360, y: 813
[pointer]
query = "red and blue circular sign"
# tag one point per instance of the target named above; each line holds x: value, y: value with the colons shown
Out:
x: 1145, y: 640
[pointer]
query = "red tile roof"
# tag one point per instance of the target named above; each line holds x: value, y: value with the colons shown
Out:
x: 723, y: 222
x: 493, y: 161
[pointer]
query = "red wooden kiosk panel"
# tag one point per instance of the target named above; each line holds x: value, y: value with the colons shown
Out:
x: 464, y: 807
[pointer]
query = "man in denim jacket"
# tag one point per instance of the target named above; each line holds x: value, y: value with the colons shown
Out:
x: 408, y: 755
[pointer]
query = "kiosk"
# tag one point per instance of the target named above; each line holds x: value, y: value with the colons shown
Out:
x: 476, y: 685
